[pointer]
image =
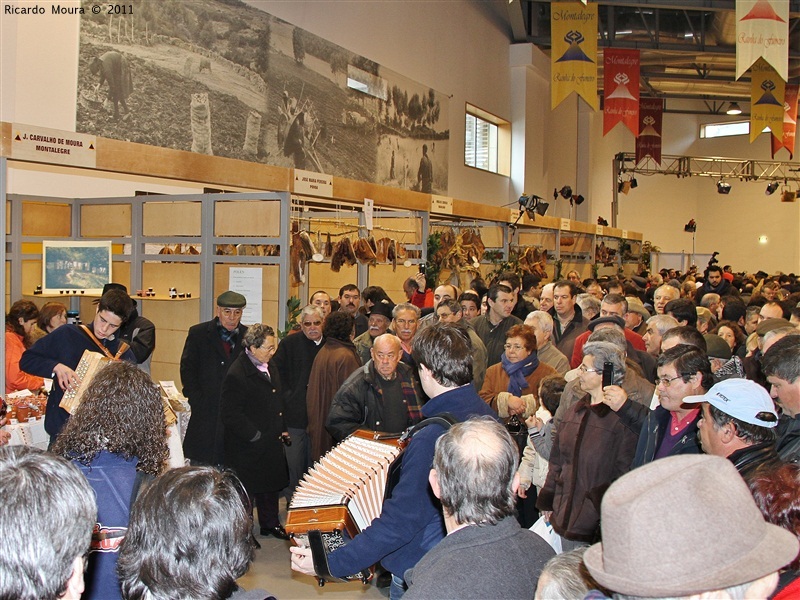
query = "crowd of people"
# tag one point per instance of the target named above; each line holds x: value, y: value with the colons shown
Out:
x: 651, y: 425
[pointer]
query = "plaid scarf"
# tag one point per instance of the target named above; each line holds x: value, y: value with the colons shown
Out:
x: 409, y: 395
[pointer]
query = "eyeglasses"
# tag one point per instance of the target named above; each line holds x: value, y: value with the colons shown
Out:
x: 232, y: 312
x: 515, y: 347
x: 667, y: 382
x: 310, y: 323
x: 585, y: 369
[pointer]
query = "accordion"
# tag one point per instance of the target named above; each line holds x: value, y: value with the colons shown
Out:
x: 88, y: 367
x: 342, y: 494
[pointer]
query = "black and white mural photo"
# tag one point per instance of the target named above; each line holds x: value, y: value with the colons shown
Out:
x: 222, y: 77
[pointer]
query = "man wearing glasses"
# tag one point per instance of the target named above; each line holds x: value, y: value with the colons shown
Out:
x: 210, y: 348
x: 293, y: 359
x: 671, y: 428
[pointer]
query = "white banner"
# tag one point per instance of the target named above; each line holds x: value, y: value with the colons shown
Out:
x: 762, y: 30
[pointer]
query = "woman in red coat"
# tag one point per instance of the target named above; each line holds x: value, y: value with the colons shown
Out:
x: 19, y: 323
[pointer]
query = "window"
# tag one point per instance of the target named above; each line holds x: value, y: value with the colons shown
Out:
x: 713, y: 130
x: 487, y: 142
x: 480, y: 147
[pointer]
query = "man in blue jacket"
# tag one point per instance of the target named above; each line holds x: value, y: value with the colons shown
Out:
x: 58, y: 354
x: 411, y: 522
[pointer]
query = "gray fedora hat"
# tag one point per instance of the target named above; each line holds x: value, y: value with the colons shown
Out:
x: 684, y: 525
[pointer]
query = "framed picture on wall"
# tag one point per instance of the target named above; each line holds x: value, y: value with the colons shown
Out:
x: 69, y: 266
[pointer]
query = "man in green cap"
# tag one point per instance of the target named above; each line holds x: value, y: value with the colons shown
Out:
x: 210, y: 348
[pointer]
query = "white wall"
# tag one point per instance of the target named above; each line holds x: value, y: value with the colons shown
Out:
x: 461, y: 49
x: 729, y: 224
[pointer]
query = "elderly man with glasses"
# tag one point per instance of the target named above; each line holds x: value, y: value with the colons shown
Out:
x: 293, y: 359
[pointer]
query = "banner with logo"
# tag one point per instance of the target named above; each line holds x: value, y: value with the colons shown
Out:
x: 573, y: 30
x: 786, y: 139
x: 762, y: 31
x: 766, y: 99
x: 648, y: 143
x: 621, y: 89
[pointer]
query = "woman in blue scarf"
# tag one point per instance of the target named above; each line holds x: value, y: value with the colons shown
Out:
x: 511, y: 387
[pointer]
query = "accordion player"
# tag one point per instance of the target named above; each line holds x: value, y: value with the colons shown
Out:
x: 342, y: 494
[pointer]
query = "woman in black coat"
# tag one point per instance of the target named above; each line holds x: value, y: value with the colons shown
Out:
x: 252, y: 414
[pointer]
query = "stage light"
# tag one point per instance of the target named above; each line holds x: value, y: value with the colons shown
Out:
x: 723, y: 187
x: 533, y: 204
x: 771, y: 187
x: 566, y: 192
x: 733, y: 109
x: 788, y: 196
x: 634, y: 183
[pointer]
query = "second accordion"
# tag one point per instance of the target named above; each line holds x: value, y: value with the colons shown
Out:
x: 343, y: 492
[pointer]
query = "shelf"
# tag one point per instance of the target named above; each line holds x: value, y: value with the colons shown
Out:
x: 78, y: 295
x: 162, y: 298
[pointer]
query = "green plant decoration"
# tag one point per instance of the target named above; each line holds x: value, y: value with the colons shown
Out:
x: 644, y: 257
x: 557, y: 266
x: 432, y: 268
x: 292, y: 312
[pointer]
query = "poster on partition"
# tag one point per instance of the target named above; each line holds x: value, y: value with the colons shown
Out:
x: 72, y: 268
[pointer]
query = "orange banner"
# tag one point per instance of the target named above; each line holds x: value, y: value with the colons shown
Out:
x: 648, y: 143
x: 786, y: 140
x: 766, y: 99
x: 621, y: 89
x: 573, y: 30
x: 762, y: 31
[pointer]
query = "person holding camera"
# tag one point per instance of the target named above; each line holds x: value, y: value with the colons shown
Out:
x: 251, y: 411
x: 592, y: 448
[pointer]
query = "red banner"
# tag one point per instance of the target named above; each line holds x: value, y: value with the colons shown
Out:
x: 649, y: 141
x: 620, y: 89
x: 786, y: 140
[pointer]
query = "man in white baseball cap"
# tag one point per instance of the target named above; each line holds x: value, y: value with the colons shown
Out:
x: 738, y: 422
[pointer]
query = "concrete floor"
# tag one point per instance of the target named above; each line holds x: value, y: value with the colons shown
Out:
x: 271, y: 571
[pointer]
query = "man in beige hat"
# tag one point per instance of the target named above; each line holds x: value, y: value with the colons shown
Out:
x: 637, y: 315
x: 687, y: 527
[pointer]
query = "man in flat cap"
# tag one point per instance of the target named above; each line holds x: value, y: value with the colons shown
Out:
x: 686, y: 527
x: 210, y: 348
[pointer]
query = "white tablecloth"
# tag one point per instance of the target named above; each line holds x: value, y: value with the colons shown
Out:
x: 31, y: 433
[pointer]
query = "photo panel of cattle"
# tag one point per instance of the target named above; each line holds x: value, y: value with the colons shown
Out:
x: 224, y: 78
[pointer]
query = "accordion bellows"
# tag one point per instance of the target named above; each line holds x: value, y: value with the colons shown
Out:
x: 89, y: 365
x: 343, y: 491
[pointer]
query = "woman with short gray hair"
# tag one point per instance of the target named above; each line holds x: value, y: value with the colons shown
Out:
x: 591, y: 449
x: 251, y: 410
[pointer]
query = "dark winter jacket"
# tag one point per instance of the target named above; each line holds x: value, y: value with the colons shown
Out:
x: 652, y: 431
x: 788, y: 444
x: 359, y: 402
x: 591, y: 450
x: 293, y: 359
x: 411, y: 521
x: 252, y: 413
x: 564, y: 339
x: 204, y: 365
x: 65, y: 345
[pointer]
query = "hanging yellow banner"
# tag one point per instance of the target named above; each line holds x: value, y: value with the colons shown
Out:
x: 573, y: 31
x: 767, y: 91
